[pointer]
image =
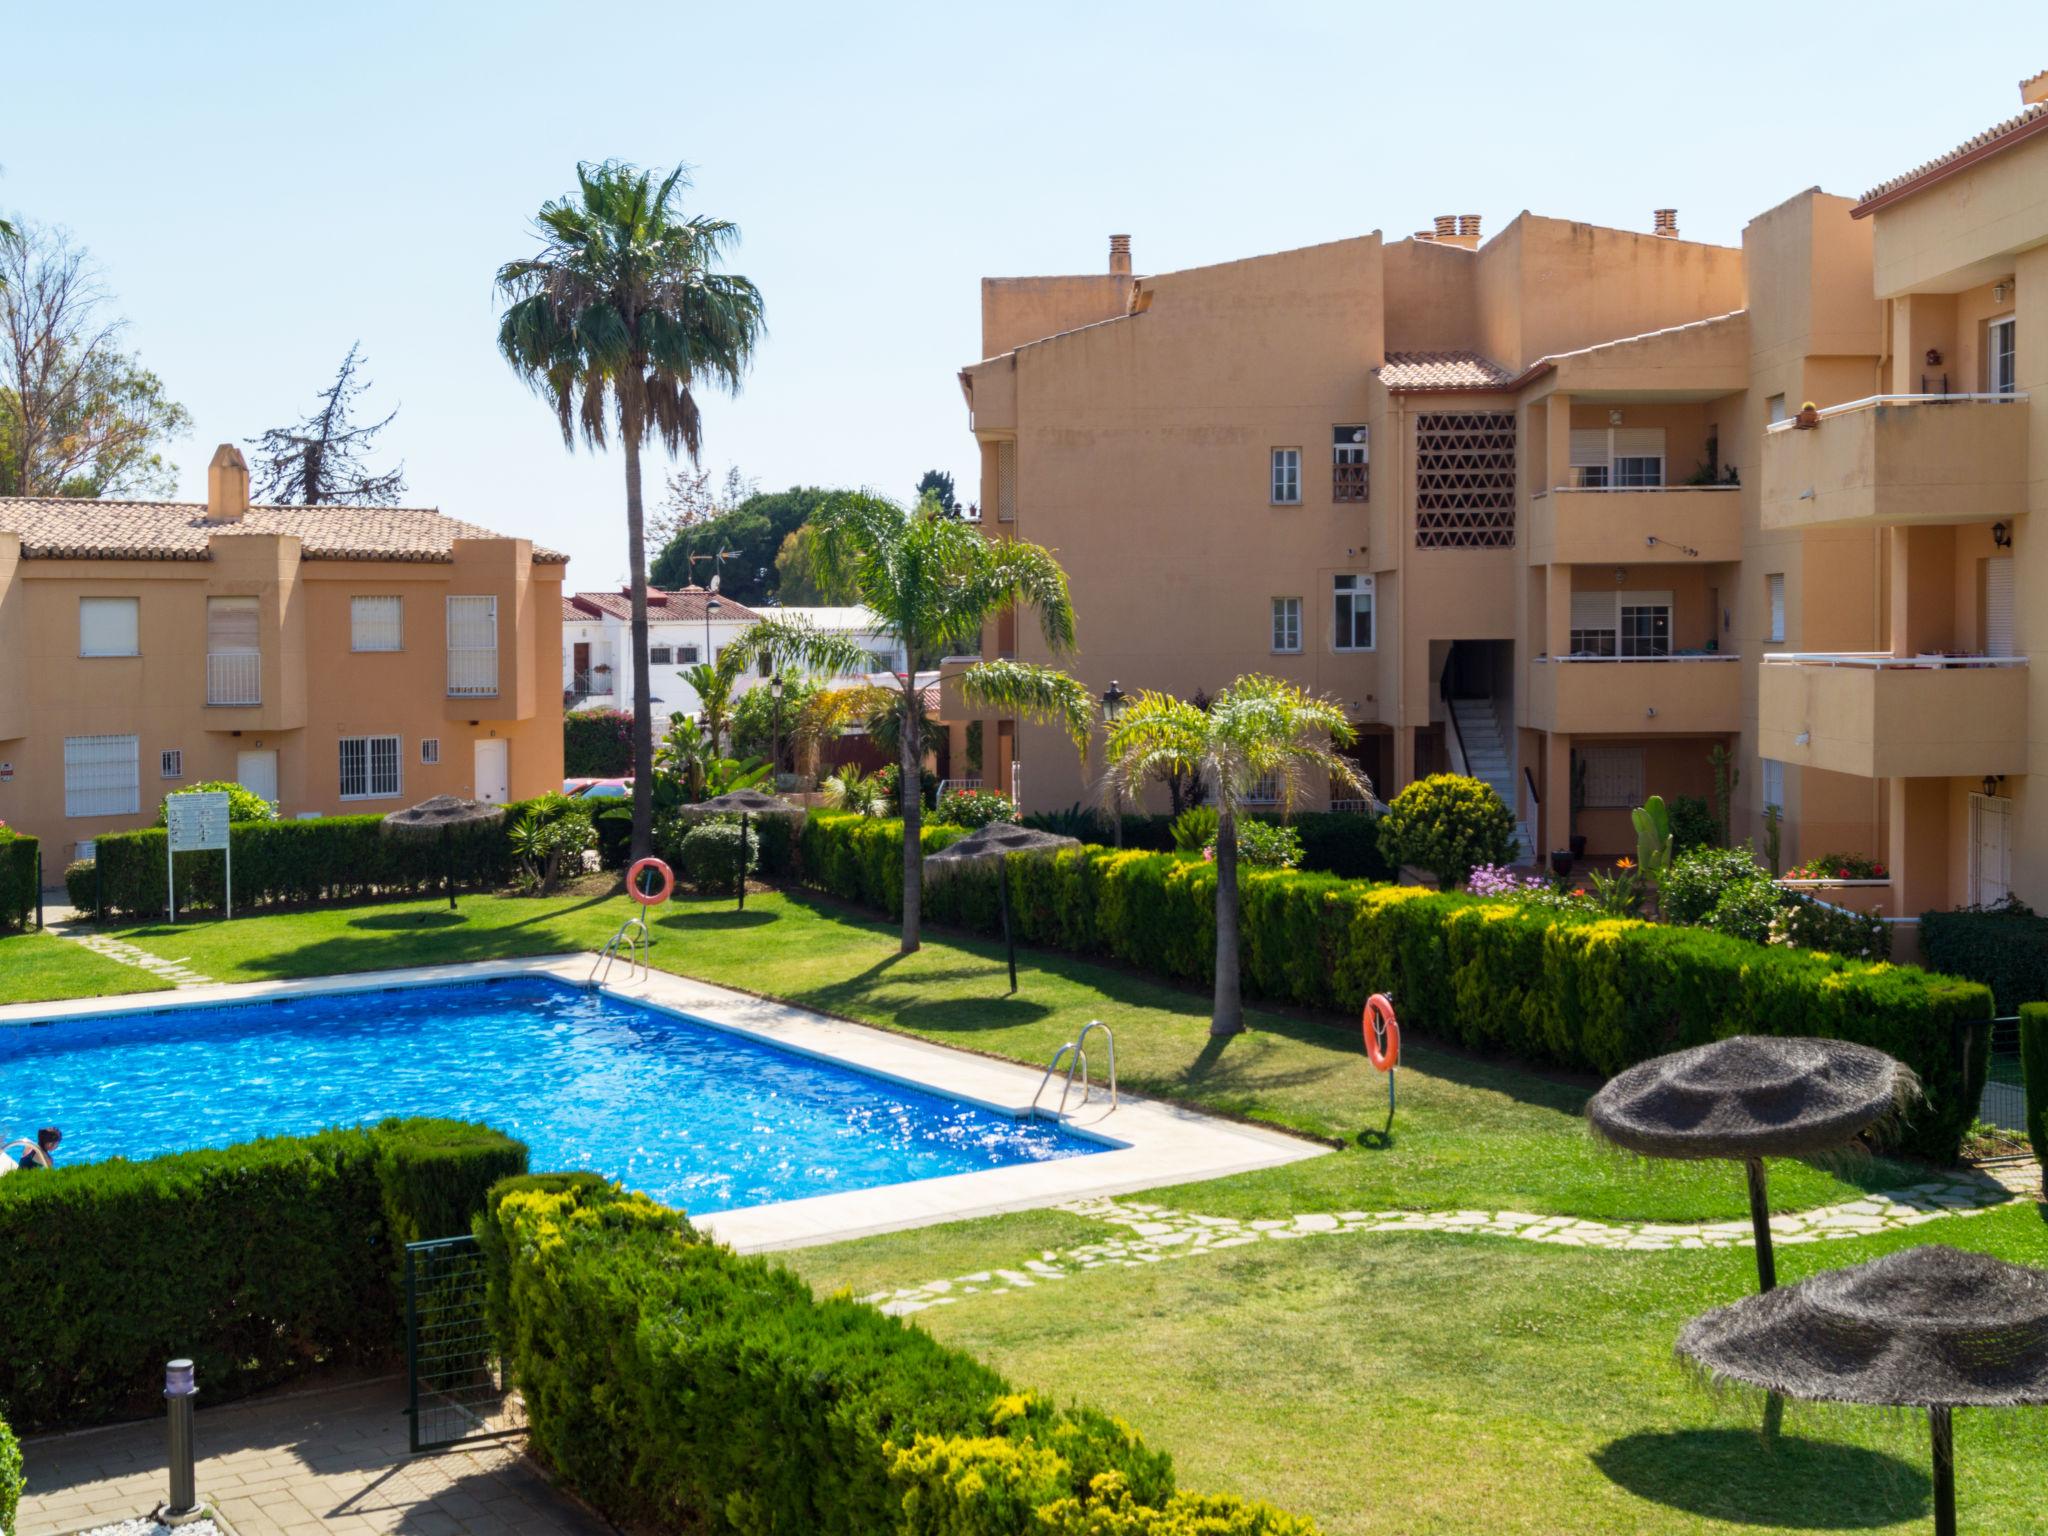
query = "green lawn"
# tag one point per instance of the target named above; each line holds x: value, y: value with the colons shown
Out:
x: 40, y: 967
x: 1383, y: 1384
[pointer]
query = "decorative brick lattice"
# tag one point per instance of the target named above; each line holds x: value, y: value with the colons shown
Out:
x: 1465, y: 480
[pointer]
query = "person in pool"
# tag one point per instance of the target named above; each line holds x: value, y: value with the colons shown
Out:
x: 36, y: 1154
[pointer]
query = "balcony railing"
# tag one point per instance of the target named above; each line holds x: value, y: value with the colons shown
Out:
x: 1694, y: 694
x: 1890, y: 459
x: 1873, y: 715
x: 1872, y: 402
x: 1886, y: 661
x: 472, y: 671
x: 1351, y: 482
x: 234, y: 678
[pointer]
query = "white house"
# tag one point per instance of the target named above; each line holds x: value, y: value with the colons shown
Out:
x: 863, y: 625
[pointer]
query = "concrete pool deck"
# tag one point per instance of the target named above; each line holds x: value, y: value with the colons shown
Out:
x: 1149, y: 1143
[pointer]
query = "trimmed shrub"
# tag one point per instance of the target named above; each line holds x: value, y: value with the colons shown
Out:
x: 1695, y: 883
x: 598, y: 743
x: 260, y: 1261
x: 2005, y: 947
x: 860, y: 858
x: 1547, y: 984
x: 1446, y: 824
x: 614, y: 836
x: 243, y: 804
x: 19, y: 869
x: 1693, y: 824
x: 2034, y: 1074
x: 709, y: 855
x: 1342, y: 843
x: 670, y: 1381
x: 10, y: 1477
x: 1750, y: 910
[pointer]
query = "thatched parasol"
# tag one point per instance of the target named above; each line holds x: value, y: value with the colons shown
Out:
x: 1929, y: 1327
x: 745, y: 804
x: 986, y: 848
x: 439, y: 817
x: 1748, y: 1098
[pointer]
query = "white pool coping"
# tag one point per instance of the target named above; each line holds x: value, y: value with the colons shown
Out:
x: 1154, y: 1143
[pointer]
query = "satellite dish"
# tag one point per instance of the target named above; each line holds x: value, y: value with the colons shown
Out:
x: 714, y: 582
x: 1358, y: 436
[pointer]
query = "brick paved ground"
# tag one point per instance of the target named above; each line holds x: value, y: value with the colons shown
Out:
x: 332, y: 1460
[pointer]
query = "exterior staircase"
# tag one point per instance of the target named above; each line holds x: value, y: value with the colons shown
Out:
x: 1487, y: 758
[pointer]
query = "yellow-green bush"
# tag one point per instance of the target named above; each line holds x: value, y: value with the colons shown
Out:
x: 10, y: 1476
x: 2034, y: 1073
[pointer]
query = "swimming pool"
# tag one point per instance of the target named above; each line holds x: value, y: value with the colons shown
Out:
x: 695, y: 1116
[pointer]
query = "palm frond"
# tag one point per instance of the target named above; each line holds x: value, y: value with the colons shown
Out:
x: 798, y: 643
x: 1032, y: 692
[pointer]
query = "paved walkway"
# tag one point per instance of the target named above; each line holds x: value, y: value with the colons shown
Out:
x: 298, y: 1464
x: 1152, y: 1233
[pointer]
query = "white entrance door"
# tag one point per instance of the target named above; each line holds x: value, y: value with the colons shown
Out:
x: 493, y: 771
x: 257, y: 772
x: 1998, y: 606
x: 1990, y: 850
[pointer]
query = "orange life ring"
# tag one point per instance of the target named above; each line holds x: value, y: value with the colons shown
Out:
x: 650, y: 898
x: 1382, y: 1032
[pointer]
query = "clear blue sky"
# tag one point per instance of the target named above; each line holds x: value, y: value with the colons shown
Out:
x: 264, y: 183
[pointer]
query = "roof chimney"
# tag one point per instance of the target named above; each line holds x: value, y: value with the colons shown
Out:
x: 2034, y: 90
x: 1446, y: 226
x: 227, y: 485
x: 1667, y: 222
x: 1119, y: 255
x: 1426, y: 234
x: 1468, y: 224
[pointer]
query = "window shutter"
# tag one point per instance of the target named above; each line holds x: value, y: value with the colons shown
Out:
x: 102, y: 776
x: 233, y: 626
x: 108, y: 626
x: 1006, y: 482
x: 1592, y: 610
x: 1998, y: 606
x: 1638, y: 442
x: 376, y: 623
x: 1589, y: 447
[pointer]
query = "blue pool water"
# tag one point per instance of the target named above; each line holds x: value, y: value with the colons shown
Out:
x: 692, y: 1115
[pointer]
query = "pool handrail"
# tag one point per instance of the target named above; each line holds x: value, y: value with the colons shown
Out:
x: 1075, y: 1054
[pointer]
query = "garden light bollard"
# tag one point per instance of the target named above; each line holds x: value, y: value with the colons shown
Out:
x: 180, y: 1388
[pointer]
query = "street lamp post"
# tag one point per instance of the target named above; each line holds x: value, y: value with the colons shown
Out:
x: 1113, y: 701
x: 711, y: 607
x: 775, y: 750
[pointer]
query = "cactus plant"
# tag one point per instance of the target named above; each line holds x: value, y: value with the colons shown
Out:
x: 1653, y: 837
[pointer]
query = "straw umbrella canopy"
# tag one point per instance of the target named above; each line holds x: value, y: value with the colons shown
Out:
x: 1748, y: 1098
x: 986, y: 848
x: 1930, y: 1327
x: 438, y: 818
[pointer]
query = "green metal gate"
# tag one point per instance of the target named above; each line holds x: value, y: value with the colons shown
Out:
x: 456, y: 1392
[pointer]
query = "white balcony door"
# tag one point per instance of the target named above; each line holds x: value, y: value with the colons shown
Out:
x: 257, y: 773
x: 1998, y: 606
x: 1990, y: 850
x: 493, y: 771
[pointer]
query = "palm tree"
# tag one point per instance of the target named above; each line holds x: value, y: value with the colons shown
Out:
x: 615, y: 323
x: 795, y: 645
x: 1259, y: 729
x: 935, y: 581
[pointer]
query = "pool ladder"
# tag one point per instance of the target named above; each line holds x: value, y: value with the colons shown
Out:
x: 1075, y: 1054
x: 631, y: 940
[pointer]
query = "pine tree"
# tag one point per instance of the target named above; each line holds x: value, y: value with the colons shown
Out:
x: 320, y: 460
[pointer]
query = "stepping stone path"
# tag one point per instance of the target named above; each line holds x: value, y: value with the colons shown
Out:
x: 1156, y: 1233
x: 176, y: 972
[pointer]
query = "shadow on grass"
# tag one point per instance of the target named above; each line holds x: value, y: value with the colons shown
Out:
x: 1738, y: 1476
x: 700, y: 921
x: 408, y: 922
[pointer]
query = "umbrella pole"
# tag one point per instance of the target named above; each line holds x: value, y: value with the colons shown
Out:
x: 743, y: 861
x: 1943, y: 1433
x: 1003, y: 901
x: 1760, y: 1222
x: 447, y: 869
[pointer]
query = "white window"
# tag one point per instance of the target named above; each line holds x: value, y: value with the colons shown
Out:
x: 233, y: 655
x: 1774, y: 783
x: 1774, y: 601
x: 2001, y: 356
x: 472, y: 646
x: 1286, y: 476
x: 1776, y: 409
x: 171, y: 763
x: 430, y: 751
x: 109, y: 626
x: 1263, y: 791
x: 376, y: 623
x: 1350, y: 463
x: 369, y: 767
x: 1351, y: 612
x: 102, y: 776
x: 1614, y: 776
x: 1286, y: 623
x: 1634, y: 624
x: 882, y: 661
x: 1616, y: 457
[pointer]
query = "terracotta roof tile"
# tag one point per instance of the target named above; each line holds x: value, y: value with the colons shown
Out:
x: 2024, y: 125
x: 688, y: 603
x: 1413, y: 371
x: 62, y: 528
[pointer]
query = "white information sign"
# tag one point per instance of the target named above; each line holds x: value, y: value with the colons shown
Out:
x: 196, y: 820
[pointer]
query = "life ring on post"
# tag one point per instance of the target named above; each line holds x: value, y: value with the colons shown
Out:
x: 650, y: 898
x: 1382, y: 1032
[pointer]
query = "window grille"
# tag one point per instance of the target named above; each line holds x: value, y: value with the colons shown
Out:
x: 1006, y: 482
x: 233, y: 653
x: 1614, y: 776
x: 376, y: 623
x: 171, y: 763
x: 472, y: 646
x: 661, y: 656
x: 369, y: 767
x: 430, y: 751
x: 102, y: 776
x: 1465, y: 480
x: 1351, y: 464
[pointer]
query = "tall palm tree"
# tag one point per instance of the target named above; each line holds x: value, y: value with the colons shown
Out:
x: 935, y: 581
x: 1258, y: 729
x: 616, y: 323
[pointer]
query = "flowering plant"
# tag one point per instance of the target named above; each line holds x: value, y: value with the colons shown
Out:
x: 975, y: 807
x: 1840, y: 866
x: 1261, y: 845
x: 1499, y: 880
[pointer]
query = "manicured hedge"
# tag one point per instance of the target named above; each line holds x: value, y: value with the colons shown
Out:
x: 18, y: 878
x: 10, y: 1477
x: 2034, y: 1073
x: 290, y: 862
x: 1580, y: 992
x: 598, y: 743
x: 257, y: 1261
x: 2005, y: 947
x: 677, y: 1385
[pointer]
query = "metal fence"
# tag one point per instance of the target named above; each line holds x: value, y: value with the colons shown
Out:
x: 2005, y: 1095
x: 456, y: 1391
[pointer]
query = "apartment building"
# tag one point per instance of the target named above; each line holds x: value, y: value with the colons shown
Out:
x: 1541, y: 507
x: 334, y: 659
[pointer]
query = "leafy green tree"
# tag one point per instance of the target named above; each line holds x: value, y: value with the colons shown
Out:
x: 753, y: 531
x: 797, y: 582
x: 939, y: 483
x: 932, y: 578
x: 617, y: 322
x: 1258, y: 731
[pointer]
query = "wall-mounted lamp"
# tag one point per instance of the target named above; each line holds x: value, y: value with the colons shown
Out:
x: 1804, y: 738
x: 2001, y: 535
x: 1614, y: 418
x: 1991, y: 783
x: 1650, y: 713
x: 1999, y: 291
x: 1934, y: 357
x: 1620, y: 574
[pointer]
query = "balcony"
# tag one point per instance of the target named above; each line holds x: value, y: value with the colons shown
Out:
x: 1350, y: 482
x: 1899, y: 459
x: 472, y: 672
x: 234, y: 679
x: 1635, y: 696
x: 1884, y: 717
x: 1635, y: 525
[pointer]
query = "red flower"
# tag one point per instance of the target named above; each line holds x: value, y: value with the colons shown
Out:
x: 1842, y: 873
